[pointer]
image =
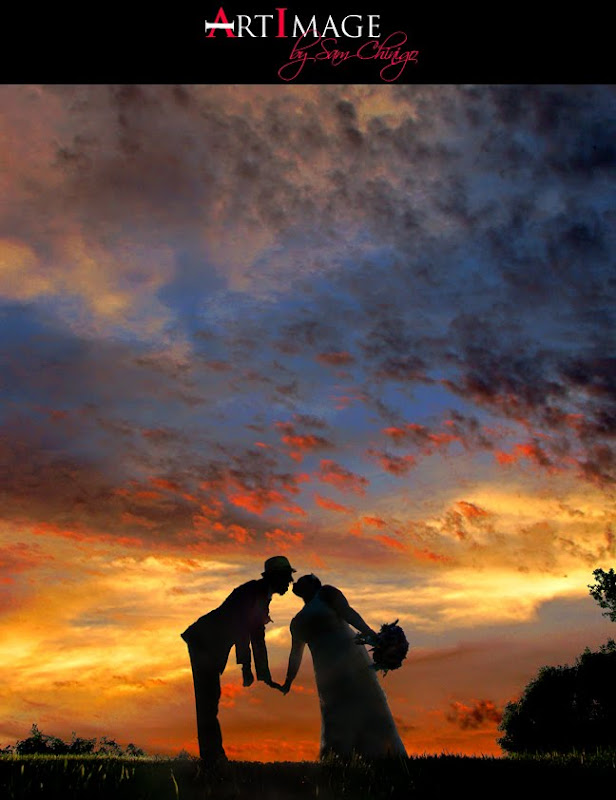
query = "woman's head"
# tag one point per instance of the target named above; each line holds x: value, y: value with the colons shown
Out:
x: 306, y: 587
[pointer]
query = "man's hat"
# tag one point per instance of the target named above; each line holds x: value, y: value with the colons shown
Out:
x: 278, y: 564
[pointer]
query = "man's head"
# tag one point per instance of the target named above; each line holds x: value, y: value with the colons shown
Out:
x: 306, y: 587
x: 278, y: 573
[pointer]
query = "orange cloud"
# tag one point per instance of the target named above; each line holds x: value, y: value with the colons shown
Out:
x: 505, y: 458
x: 228, y: 693
x: 81, y: 534
x: 257, y: 500
x: 299, y: 444
x: 236, y: 532
x: 145, y: 494
x: 163, y: 483
x: 335, y: 359
x: 128, y: 518
x: 356, y: 529
x: 375, y: 522
x: 284, y: 540
x: 421, y: 436
x: 480, y: 714
x: 343, y: 479
x: 20, y: 557
x: 531, y: 451
x: 330, y: 505
x: 297, y: 687
x: 399, y: 435
x: 395, y: 465
x: 389, y: 541
x: 428, y: 555
x: 271, y: 489
x: 470, y: 510
x: 316, y: 560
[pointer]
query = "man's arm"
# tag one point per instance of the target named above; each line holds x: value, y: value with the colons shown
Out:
x: 242, y: 656
x: 259, y: 650
x: 237, y: 605
x: 242, y: 648
x: 256, y: 615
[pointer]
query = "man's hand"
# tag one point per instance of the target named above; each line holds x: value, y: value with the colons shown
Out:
x: 248, y: 677
x: 286, y: 687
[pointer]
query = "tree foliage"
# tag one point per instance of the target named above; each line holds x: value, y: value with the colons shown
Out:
x: 39, y: 743
x: 604, y: 591
x: 565, y: 708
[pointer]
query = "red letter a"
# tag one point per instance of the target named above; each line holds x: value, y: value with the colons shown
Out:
x: 221, y: 17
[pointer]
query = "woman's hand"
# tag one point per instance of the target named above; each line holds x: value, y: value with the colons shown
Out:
x: 286, y: 687
x: 371, y: 637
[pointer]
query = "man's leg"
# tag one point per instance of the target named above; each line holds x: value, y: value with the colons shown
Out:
x: 206, y: 679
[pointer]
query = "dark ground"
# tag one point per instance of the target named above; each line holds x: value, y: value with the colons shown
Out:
x: 109, y: 778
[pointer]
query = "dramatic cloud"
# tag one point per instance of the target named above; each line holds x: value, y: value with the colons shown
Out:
x: 330, y: 505
x: 343, y: 479
x: 477, y: 715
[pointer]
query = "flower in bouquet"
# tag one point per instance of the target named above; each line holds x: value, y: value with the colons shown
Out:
x: 389, y: 646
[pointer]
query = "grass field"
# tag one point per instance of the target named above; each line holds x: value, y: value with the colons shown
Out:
x: 443, y: 776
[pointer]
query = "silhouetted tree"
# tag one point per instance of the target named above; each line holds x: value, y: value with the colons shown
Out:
x: 80, y: 746
x: 39, y: 743
x: 604, y: 591
x: 109, y: 747
x: 565, y: 708
x: 569, y: 708
x: 133, y: 751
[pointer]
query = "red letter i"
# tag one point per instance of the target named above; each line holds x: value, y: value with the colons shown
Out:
x: 281, y: 34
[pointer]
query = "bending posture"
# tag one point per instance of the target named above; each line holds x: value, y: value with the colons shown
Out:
x: 239, y: 621
x: 355, y: 716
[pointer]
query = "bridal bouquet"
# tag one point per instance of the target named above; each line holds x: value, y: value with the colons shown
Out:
x: 389, y: 647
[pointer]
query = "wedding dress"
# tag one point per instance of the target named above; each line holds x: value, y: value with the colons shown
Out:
x: 355, y: 715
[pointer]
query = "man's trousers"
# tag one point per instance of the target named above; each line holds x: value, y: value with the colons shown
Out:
x: 206, y: 679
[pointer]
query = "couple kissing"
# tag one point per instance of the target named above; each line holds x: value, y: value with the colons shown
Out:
x: 355, y: 716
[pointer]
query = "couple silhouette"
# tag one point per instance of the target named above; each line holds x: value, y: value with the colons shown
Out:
x: 355, y: 716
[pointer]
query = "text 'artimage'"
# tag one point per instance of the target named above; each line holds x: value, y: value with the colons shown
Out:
x: 282, y: 25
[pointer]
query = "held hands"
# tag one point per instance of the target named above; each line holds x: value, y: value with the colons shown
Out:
x: 269, y: 682
x: 282, y: 687
x: 249, y: 680
x: 275, y: 685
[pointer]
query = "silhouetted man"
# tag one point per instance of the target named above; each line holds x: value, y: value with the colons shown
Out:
x: 239, y: 621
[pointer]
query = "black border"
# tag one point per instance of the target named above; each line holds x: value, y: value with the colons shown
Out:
x: 506, y: 44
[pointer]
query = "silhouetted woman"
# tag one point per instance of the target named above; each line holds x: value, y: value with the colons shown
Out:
x: 355, y: 716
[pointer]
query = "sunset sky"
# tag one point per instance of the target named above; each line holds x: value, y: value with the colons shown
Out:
x: 367, y: 327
